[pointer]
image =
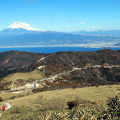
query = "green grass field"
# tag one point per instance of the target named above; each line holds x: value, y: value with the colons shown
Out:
x: 51, y: 105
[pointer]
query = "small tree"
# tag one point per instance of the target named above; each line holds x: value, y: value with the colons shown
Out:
x: 88, y: 65
x: 106, y: 65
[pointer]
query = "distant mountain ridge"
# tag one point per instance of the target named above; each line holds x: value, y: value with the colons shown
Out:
x: 21, y: 34
x: 99, y: 33
x: 118, y: 44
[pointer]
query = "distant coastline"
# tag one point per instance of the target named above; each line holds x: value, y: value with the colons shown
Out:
x: 53, y: 49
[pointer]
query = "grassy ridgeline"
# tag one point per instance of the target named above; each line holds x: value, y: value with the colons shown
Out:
x: 51, y: 105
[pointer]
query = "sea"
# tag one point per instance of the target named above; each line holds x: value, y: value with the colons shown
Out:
x: 52, y: 49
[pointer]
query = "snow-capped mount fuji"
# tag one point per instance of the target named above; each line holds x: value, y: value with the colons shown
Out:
x: 22, y: 25
x: 19, y: 28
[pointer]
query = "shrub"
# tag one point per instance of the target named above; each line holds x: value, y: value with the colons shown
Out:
x: 13, y: 97
x: 71, y: 104
x: 114, y: 106
x: 113, y: 109
x: 74, y: 87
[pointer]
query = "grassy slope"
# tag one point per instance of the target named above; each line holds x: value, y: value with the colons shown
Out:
x: 33, y: 105
x: 26, y: 77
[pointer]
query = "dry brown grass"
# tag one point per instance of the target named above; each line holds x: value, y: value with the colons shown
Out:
x: 22, y: 78
x: 51, y: 105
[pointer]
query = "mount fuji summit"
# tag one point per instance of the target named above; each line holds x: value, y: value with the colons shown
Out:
x: 20, y: 34
x: 21, y: 25
x: 18, y: 28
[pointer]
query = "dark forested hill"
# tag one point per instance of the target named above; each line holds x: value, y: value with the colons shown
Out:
x: 62, y: 61
x: 13, y: 61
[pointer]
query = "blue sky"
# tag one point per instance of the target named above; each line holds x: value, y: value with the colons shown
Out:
x: 62, y: 15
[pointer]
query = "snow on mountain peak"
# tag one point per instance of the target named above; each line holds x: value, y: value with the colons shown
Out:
x: 22, y: 25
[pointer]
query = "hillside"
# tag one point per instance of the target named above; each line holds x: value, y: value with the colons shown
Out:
x: 53, y: 104
x: 63, y: 61
x: 63, y: 70
x: 12, y: 61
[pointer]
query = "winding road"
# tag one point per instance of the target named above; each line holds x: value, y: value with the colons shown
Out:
x: 35, y: 83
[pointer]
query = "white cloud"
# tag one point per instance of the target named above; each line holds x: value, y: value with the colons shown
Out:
x: 68, y: 26
x: 77, y: 22
x: 82, y: 23
x: 74, y: 21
